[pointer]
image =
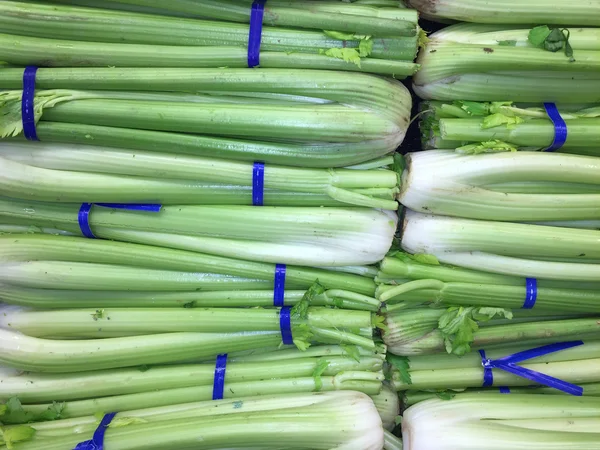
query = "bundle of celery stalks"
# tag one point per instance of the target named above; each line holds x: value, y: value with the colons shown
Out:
x: 200, y: 252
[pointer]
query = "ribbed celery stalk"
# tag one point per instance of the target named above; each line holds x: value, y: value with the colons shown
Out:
x: 65, y: 262
x: 497, y: 63
x: 39, y: 387
x: 352, y: 118
x: 63, y: 298
x: 578, y: 12
x: 423, y: 331
x: 345, y: 420
x: 304, y: 236
x: 576, y: 365
x: 80, y: 323
x: 72, y: 173
x: 106, y: 26
x: 387, y: 403
x: 510, y: 248
x: 493, y: 422
x: 446, y: 183
x: 410, y: 398
x: 477, y: 127
x: 321, y: 15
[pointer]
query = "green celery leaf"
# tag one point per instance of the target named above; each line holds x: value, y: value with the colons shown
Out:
x: 365, y: 47
x: 459, y: 324
x: 445, y: 395
x: 340, y: 35
x: 319, y: 370
x: 398, y: 420
x: 16, y: 434
x: 350, y: 55
x: 378, y: 321
x: 496, y: 120
x: 552, y: 39
x: 474, y: 108
x: 402, y: 363
x: 494, y: 146
x: 14, y: 412
x: 424, y: 258
x: 351, y: 351
x: 538, y: 35
x: 54, y: 412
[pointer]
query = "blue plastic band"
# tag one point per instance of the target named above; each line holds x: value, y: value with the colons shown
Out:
x: 258, y: 184
x: 509, y: 364
x: 255, y: 35
x: 560, y: 127
x: 279, y: 288
x: 97, y: 441
x: 531, y: 293
x: 27, y: 104
x: 84, y: 213
x: 285, y: 323
x: 504, y: 390
x: 219, y: 383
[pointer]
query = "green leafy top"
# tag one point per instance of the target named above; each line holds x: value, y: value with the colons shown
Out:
x: 320, y: 368
x: 459, y: 324
x: 402, y: 364
x: 351, y: 351
x: 16, y: 434
x: 494, y: 146
x: 351, y: 55
x: 301, y: 332
x: 552, y: 39
x: 12, y: 412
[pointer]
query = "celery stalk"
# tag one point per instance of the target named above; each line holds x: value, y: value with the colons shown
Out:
x: 28, y: 249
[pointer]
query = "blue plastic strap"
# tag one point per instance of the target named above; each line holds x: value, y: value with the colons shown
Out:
x: 219, y: 382
x: 560, y: 127
x: 258, y: 184
x: 531, y: 293
x: 84, y: 213
x: 97, y: 441
x: 285, y: 323
x: 509, y: 364
x: 504, y: 390
x: 27, y: 103
x: 255, y: 36
x: 279, y: 287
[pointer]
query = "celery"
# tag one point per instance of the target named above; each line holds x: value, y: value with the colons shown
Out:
x: 576, y: 365
x: 491, y: 422
x: 498, y: 63
x: 387, y: 403
x: 422, y: 331
x: 534, y: 251
x: 488, y: 186
x: 286, y: 235
x: 72, y: 173
x: 578, y: 12
x: 301, y: 420
x: 352, y: 118
x: 65, y: 262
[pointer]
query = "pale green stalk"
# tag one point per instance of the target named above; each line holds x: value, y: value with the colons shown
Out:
x: 492, y: 422
x: 240, y: 423
x: 444, y: 371
x: 391, y: 442
x: 366, y: 382
x: 102, y: 25
x: 508, y: 248
x: 387, y: 403
x: 94, y: 174
x: 96, y: 323
x: 329, y: 15
x: 578, y: 12
x: 40, y: 387
x: 23, y: 248
x: 446, y: 183
x: 463, y: 62
x: 304, y: 236
x: 155, y: 298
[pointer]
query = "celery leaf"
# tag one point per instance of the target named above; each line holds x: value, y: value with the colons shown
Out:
x: 494, y: 146
x: 402, y: 364
x: 350, y: 55
x: 320, y: 368
x: 16, y: 434
x: 552, y: 39
x: 497, y: 119
x: 351, y: 351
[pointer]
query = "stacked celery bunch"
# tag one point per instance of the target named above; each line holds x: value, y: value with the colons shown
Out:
x: 189, y: 250
x: 492, y: 313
